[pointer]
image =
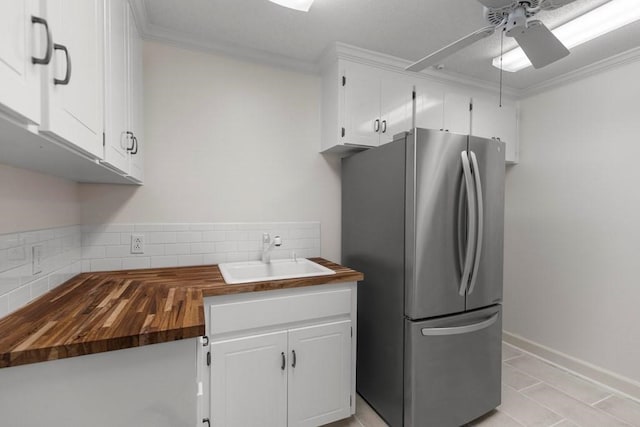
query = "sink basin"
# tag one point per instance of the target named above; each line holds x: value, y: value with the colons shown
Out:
x: 257, y: 271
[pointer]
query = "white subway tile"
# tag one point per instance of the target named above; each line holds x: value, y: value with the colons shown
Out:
x: 109, y: 228
x: 89, y: 252
x: 184, y: 260
x: 249, y: 245
x: 225, y: 226
x: 203, y: 247
x: 106, y: 264
x: 9, y: 280
x: 188, y: 236
x: 203, y: 226
x: 175, y: 227
x: 164, y: 261
x: 10, y: 241
x: 4, y: 305
x: 237, y: 256
x: 119, y: 251
x: 85, y: 266
x: 151, y: 250
x: 39, y: 287
x: 147, y: 227
x: 214, y: 236
x: 136, y: 263
x: 161, y: 237
x: 96, y: 239
x: 209, y: 259
x: 177, y: 249
x: 19, y: 297
x: 226, y: 247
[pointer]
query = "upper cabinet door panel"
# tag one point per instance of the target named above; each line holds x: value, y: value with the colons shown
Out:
x: 397, y: 108
x: 19, y: 77
x: 362, y: 108
x: 74, y: 110
x: 491, y: 120
x: 457, y: 117
x: 116, y: 75
x: 136, y: 100
x: 429, y: 106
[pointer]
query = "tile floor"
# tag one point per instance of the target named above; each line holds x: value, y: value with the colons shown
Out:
x: 537, y: 394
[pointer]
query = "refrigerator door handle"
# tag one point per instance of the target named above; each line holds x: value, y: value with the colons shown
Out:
x: 456, y: 330
x: 480, y: 211
x: 471, y: 223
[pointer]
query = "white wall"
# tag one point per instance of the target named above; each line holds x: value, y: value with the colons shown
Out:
x: 226, y: 141
x: 31, y: 201
x: 572, y: 225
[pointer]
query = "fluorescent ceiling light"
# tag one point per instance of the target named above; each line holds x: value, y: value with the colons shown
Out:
x: 593, y: 24
x: 302, y: 5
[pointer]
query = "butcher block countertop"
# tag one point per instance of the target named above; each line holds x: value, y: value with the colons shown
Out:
x: 104, y: 311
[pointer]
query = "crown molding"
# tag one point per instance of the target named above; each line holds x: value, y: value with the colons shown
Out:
x: 627, y: 57
x: 393, y: 63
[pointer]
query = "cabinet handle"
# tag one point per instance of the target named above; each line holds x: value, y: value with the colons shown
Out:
x: 67, y: 75
x: 47, y: 55
x: 135, y: 145
x: 284, y: 361
x: 130, y: 136
x: 295, y: 359
x: 384, y: 126
x: 376, y: 125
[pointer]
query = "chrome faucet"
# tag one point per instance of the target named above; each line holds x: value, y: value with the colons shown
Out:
x: 267, y: 246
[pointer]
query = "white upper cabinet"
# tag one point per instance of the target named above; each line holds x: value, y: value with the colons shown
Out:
x: 73, y: 101
x: 490, y: 120
x: 123, y: 90
x: 364, y: 107
x: 440, y: 108
x: 25, y: 49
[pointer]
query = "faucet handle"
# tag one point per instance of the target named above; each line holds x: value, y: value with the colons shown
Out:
x: 277, y: 241
x: 266, y: 238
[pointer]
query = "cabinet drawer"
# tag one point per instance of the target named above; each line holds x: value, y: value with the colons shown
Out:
x: 279, y: 309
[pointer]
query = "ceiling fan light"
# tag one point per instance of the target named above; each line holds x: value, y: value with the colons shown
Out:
x: 602, y: 20
x: 301, y: 5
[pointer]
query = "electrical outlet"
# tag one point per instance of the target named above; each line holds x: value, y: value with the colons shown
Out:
x: 137, y: 243
x: 36, y: 259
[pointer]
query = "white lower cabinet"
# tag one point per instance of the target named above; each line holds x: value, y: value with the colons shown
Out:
x: 285, y: 367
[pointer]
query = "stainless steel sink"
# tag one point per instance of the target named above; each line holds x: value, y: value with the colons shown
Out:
x: 258, y: 271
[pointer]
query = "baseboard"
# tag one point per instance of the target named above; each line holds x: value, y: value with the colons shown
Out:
x: 603, y: 377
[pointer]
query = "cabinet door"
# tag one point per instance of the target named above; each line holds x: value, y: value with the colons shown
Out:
x: 249, y: 381
x: 361, y: 113
x: 457, y: 117
x: 319, y: 374
x: 116, y: 74
x: 136, y: 100
x: 429, y: 106
x: 19, y: 41
x: 73, y: 111
x: 490, y: 120
x: 396, y: 108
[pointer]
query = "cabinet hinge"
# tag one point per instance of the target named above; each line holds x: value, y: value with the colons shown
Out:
x: 205, y: 340
x: 344, y: 80
x: 206, y: 421
x: 343, y: 132
x: 208, y: 358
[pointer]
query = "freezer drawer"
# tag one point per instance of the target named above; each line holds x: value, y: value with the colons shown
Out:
x: 452, y: 368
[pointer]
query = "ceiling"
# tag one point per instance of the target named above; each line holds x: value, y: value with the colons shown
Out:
x: 407, y: 29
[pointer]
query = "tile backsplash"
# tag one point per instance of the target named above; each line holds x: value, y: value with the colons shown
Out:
x: 67, y: 251
x: 108, y: 247
x: 60, y: 260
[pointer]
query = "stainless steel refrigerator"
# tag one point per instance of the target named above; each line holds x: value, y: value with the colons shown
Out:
x: 422, y: 218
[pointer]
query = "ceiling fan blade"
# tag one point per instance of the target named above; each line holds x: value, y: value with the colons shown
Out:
x: 554, y: 4
x: 446, y: 51
x: 540, y: 45
x: 495, y: 4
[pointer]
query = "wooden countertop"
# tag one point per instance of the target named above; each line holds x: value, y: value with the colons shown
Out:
x: 104, y: 311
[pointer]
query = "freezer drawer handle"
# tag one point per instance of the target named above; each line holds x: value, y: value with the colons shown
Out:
x: 471, y: 223
x: 460, y: 329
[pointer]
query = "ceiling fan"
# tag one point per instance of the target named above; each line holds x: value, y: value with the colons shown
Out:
x: 536, y: 40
